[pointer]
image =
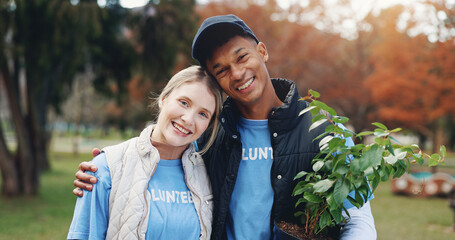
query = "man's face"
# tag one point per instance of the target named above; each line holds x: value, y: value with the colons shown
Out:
x: 239, y: 67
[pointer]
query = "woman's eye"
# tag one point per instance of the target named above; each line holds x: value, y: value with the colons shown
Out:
x: 204, y: 115
x: 184, y: 103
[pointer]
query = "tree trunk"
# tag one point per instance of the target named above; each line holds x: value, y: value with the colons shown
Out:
x: 10, y: 179
x: 25, y: 165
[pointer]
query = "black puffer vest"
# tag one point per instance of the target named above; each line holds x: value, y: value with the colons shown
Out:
x: 293, y: 150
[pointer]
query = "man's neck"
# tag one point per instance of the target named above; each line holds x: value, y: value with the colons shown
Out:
x: 259, y: 110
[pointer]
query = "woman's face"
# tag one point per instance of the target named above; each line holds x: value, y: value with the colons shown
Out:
x: 185, y: 114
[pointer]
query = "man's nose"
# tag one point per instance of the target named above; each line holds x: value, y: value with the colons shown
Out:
x: 237, y: 72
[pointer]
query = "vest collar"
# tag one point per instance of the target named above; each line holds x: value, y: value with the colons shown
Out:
x: 287, y: 113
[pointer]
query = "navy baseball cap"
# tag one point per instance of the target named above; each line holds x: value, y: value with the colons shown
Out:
x: 215, y: 31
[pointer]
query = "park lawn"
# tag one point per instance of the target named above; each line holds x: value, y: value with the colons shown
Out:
x: 403, y: 218
x: 48, y: 215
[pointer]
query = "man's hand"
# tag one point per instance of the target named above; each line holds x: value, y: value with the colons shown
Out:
x: 84, y: 180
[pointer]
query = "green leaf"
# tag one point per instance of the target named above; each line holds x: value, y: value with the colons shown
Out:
x: 298, y: 191
x: 317, y: 124
x: 419, y: 159
x: 396, y: 155
x: 394, y: 139
x: 323, y: 186
x: 314, y: 93
x: 300, y: 185
x: 321, y: 136
x: 400, y: 170
x: 390, y: 149
x: 361, y: 134
x: 433, y: 160
x: 384, y: 172
x: 359, y: 199
x: 443, y: 151
x: 315, y: 111
x: 337, y: 143
x: 325, y: 220
x: 380, y: 133
x: 300, y: 174
x: 301, y: 200
x: 307, y: 110
x: 330, y: 128
x: 376, y: 179
x: 340, y: 119
x: 353, y: 201
x: 370, y: 157
x: 318, y: 165
x: 395, y: 130
x: 324, y: 142
x: 335, y: 210
x: 318, y: 117
x: 341, y: 190
x: 380, y: 125
x: 341, y: 169
x: 312, y: 198
x: 357, y: 148
x: 324, y: 107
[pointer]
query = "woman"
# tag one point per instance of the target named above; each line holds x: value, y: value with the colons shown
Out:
x: 155, y: 186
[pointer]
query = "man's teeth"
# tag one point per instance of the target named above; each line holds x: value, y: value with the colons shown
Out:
x: 247, y: 84
x: 181, y: 129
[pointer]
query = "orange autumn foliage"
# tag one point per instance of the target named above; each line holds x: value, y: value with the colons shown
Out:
x: 383, y: 75
x: 413, y: 83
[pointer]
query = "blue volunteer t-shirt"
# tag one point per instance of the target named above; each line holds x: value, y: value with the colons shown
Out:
x: 251, y: 202
x: 172, y: 212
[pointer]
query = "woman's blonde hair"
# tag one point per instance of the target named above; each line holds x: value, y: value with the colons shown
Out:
x: 198, y: 74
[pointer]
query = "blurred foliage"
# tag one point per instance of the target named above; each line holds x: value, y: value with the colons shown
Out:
x: 366, y: 73
x: 45, y: 44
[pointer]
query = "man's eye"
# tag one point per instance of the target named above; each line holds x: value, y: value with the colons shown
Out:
x: 221, y: 73
x: 242, y: 57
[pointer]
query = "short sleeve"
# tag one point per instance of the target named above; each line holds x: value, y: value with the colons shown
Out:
x: 91, y: 213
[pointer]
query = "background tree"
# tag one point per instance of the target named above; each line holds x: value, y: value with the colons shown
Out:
x: 161, y: 33
x: 44, y: 44
x: 312, y: 58
x: 413, y: 84
x: 309, y: 44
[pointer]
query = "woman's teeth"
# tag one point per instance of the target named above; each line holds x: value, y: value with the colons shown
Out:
x: 181, y: 129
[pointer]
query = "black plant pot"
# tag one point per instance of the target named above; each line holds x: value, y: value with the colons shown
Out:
x: 282, y: 235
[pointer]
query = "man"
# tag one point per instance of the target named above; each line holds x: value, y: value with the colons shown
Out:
x: 263, y: 142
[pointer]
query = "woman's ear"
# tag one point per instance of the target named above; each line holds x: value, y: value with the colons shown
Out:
x: 161, y: 102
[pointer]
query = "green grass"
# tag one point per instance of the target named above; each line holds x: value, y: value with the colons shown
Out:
x: 402, y: 217
x: 48, y: 215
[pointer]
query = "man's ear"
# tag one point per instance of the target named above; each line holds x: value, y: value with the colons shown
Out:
x: 262, y: 50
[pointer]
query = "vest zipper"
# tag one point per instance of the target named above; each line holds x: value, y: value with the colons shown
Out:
x: 146, y: 202
x: 199, y: 212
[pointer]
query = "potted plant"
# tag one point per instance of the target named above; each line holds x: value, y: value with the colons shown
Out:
x: 340, y: 169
